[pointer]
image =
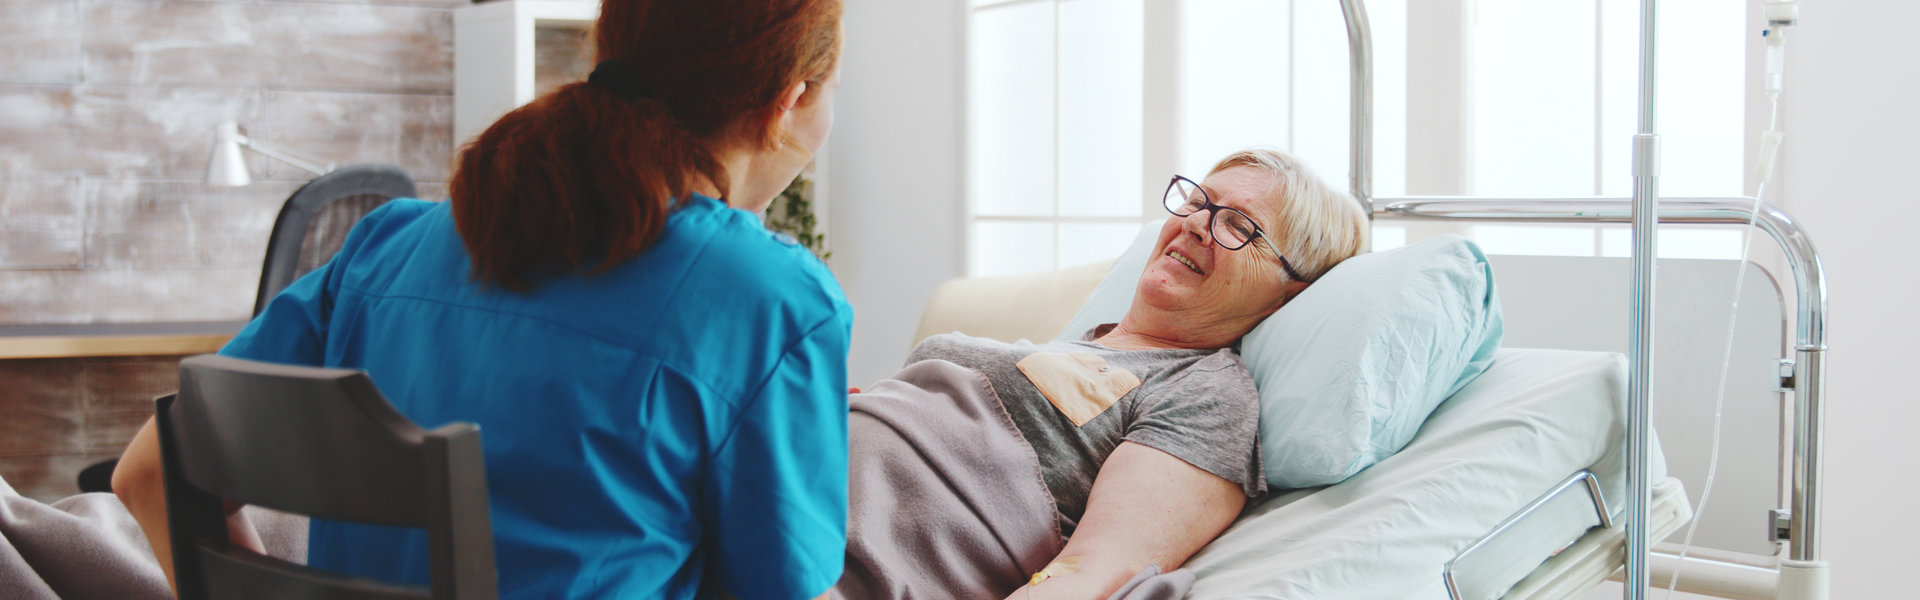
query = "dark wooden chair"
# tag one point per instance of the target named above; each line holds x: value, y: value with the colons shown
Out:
x: 324, y: 443
x: 312, y: 225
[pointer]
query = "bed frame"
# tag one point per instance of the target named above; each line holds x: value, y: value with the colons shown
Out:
x: 1798, y: 571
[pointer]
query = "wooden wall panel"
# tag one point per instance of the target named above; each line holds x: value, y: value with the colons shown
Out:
x: 40, y: 41
x: 412, y: 131
x: 431, y: 190
x: 41, y: 222
x: 160, y: 226
x: 428, y: 3
x: 48, y: 477
x: 118, y: 397
x: 167, y: 133
x: 114, y: 132
x: 127, y: 296
x: 64, y: 415
x: 43, y: 411
x: 270, y: 46
x: 107, y: 115
x: 561, y: 55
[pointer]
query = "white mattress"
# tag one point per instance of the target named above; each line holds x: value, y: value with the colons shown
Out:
x: 1535, y: 417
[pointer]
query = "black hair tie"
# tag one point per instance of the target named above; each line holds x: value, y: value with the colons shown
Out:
x: 620, y: 76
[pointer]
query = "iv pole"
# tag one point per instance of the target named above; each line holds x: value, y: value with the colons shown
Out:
x: 1646, y: 223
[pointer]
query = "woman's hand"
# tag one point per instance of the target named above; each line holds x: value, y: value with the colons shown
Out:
x: 1146, y: 508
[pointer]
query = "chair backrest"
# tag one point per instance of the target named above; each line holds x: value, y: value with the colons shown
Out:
x: 320, y: 442
x: 316, y: 218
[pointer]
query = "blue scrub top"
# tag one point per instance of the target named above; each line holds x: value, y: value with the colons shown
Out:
x: 669, y: 428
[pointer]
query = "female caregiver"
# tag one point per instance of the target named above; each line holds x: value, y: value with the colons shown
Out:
x: 659, y: 380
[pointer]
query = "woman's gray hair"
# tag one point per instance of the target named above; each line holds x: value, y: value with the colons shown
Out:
x: 1316, y: 226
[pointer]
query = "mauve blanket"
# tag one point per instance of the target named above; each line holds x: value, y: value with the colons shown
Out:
x: 947, y: 501
x: 87, y: 546
x: 946, y: 498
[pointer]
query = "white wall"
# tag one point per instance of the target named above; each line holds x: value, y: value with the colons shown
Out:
x: 896, y: 170
x: 1853, y: 77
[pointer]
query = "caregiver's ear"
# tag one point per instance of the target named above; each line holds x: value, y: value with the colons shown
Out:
x: 779, y: 115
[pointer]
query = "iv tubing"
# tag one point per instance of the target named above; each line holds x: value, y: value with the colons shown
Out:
x: 1726, y: 361
x: 1780, y: 15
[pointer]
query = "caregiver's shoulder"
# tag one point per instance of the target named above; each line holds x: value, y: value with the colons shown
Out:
x: 751, y: 261
x: 392, y: 217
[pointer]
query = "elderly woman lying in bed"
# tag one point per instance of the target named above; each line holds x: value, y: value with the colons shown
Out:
x: 1092, y: 460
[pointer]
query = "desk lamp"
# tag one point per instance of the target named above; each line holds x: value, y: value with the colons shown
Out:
x: 227, y: 167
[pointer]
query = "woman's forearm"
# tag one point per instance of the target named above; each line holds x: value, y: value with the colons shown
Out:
x: 140, y: 484
x: 1147, y: 508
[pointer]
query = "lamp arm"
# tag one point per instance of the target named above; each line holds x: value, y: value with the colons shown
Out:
x: 307, y: 163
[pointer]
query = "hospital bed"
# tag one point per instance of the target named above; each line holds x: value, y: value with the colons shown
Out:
x: 1512, y: 487
x: 1518, y: 466
x: 1515, y: 486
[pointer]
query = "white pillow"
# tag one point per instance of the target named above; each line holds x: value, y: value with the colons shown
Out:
x: 1350, y: 369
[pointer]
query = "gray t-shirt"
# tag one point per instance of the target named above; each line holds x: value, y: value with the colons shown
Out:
x: 1076, y: 401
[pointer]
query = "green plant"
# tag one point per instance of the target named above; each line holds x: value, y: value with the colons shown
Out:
x: 791, y: 213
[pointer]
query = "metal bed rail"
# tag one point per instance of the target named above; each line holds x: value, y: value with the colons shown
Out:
x: 1810, y: 286
x: 1809, y: 278
x: 1802, y: 572
x: 1582, y: 482
x: 1810, y: 293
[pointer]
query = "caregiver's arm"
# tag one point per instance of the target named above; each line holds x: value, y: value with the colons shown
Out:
x: 140, y: 484
x: 1146, y: 508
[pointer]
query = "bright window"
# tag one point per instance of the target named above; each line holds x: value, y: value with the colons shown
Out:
x: 1056, y: 94
x: 1060, y: 169
x: 1065, y: 164
x: 1554, y: 89
x: 1235, y: 79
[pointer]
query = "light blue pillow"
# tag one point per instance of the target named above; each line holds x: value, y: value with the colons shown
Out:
x: 1114, y: 295
x: 1350, y: 369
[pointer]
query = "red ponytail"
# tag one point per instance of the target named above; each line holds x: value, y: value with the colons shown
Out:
x: 583, y: 178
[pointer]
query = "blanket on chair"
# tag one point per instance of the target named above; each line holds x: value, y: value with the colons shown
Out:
x: 946, y: 500
x: 88, y: 546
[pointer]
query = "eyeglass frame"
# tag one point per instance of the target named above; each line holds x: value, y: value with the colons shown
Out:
x: 1213, y: 213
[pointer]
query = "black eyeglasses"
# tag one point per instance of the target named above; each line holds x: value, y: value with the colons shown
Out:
x: 1231, y: 228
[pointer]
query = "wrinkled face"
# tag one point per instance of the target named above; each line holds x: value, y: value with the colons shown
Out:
x: 1204, y: 284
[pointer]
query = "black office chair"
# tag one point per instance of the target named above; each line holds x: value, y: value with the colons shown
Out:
x: 316, y: 218
x: 310, y: 229
x: 320, y: 442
